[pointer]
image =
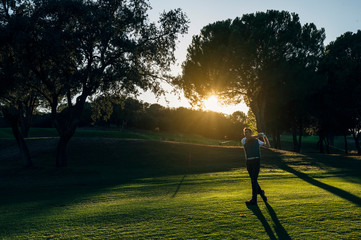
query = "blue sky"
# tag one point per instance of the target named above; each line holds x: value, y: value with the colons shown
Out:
x: 335, y: 16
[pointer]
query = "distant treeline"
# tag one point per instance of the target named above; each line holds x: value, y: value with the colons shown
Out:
x: 134, y: 114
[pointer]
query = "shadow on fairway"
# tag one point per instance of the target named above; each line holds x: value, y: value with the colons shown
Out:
x: 280, y: 231
x: 178, y: 187
x: 334, y: 190
x: 283, y: 164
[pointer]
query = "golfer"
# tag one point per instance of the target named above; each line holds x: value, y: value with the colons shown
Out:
x: 252, y: 146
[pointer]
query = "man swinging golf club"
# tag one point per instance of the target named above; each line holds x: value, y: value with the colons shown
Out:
x: 252, y: 146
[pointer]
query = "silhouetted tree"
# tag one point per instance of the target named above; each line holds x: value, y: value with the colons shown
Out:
x: 84, y: 47
x: 17, y: 101
x: 235, y: 59
x: 340, y: 112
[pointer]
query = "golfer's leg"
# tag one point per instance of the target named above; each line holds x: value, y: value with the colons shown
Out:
x: 250, y: 170
x: 254, y: 174
x: 256, y: 169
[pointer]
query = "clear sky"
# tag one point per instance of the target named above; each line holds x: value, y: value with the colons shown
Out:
x: 335, y: 16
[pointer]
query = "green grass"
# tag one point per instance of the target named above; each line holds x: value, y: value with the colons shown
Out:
x: 308, y: 142
x: 5, y: 133
x: 51, y: 132
x: 143, y: 189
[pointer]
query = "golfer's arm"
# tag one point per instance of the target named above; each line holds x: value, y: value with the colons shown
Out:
x: 267, y: 142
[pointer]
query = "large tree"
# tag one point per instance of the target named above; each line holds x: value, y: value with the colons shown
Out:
x: 81, y: 48
x: 340, y: 112
x: 17, y: 101
x: 246, y: 58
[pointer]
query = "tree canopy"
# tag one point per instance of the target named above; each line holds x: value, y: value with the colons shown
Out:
x: 268, y: 59
x: 245, y: 57
x: 340, y: 110
x: 81, y: 48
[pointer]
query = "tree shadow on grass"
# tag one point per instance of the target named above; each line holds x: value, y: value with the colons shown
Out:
x: 347, y: 169
x: 178, y: 187
x: 334, y: 190
x: 279, y: 229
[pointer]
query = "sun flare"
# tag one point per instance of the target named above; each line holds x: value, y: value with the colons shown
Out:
x: 213, y: 104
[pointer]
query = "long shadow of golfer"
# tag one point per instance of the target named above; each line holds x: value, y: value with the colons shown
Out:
x: 178, y: 187
x: 280, y: 231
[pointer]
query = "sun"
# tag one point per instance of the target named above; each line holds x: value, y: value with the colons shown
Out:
x: 213, y: 104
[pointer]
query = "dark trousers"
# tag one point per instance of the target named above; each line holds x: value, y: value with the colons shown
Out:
x: 253, y: 167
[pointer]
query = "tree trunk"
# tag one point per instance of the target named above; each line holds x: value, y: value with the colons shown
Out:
x: 258, y: 111
x: 320, y: 143
x: 346, y: 146
x: 24, y: 150
x: 331, y: 139
x: 278, y: 139
x: 327, y: 145
x: 66, y: 123
x: 274, y: 138
x: 294, y: 136
x: 356, y: 137
x: 300, y: 136
x: 13, y: 116
x: 262, y: 112
x: 65, y: 136
x: 27, y: 113
x: 61, y: 153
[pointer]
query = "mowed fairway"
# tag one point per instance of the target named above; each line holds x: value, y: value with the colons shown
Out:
x: 144, y: 189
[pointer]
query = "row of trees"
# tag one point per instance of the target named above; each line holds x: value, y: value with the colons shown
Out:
x: 131, y: 113
x: 58, y: 53
x: 290, y: 81
x: 134, y: 114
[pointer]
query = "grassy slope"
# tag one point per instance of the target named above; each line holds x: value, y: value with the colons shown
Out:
x: 308, y: 142
x: 141, y: 189
x: 5, y: 133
